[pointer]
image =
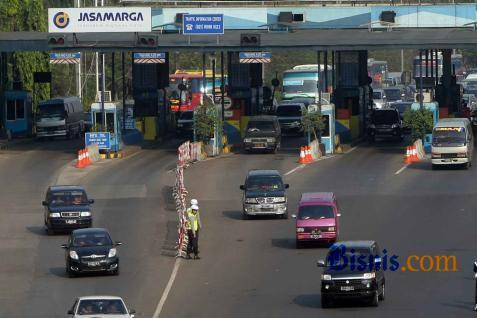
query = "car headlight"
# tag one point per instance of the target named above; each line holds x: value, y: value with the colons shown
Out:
x: 55, y: 215
x: 247, y: 140
x: 112, y: 252
x: 331, y: 229
x: 372, y: 126
x: 300, y: 230
x: 250, y: 200
x: 280, y: 200
x: 74, y: 255
x: 461, y: 154
x: 271, y: 139
x: 369, y: 275
x: 325, y: 277
x: 85, y: 214
x: 394, y: 126
x: 436, y: 155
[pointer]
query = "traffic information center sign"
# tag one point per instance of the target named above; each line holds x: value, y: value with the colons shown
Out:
x: 65, y: 58
x: 150, y: 58
x: 255, y: 57
x: 203, y: 24
x: 102, y: 139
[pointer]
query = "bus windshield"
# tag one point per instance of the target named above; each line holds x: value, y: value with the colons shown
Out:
x: 52, y: 111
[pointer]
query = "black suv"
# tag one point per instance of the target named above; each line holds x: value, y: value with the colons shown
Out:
x: 385, y: 122
x: 263, y: 133
x: 264, y: 194
x: 352, y: 269
x: 67, y: 208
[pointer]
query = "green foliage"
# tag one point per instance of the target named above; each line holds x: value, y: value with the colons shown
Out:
x: 206, y: 119
x: 420, y: 122
x: 313, y: 121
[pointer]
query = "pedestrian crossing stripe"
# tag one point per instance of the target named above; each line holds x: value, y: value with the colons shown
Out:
x: 65, y: 61
x: 150, y: 61
x: 255, y: 60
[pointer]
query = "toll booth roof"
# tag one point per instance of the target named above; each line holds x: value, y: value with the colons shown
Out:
x: 107, y: 106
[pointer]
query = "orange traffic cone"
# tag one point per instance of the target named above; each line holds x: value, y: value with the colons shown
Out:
x: 308, y: 156
x: 414, y: 157
x: 87, y: 160
x: 80, y: 163
x: 407, y: 157
x: 302, y: 156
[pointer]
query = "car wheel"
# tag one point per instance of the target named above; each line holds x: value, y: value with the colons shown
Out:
x: 299, y: 245
x: 284, y: 216
x: 245, y: 216
x: 375, y: 299
x: 434, y: 167
x: 371, y: 139
x: 50, y: 231
x: 325, y: 302
x: 383, y: 288
x: 70, y: 273
x: 116, y: 271
x: 467, y: 165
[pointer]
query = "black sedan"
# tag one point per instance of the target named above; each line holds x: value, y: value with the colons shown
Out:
x: 89, y: 251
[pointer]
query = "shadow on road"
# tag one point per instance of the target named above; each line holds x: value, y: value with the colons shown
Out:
x: 310, y: 301
x: 284, y: 243
x: 468, y: 305
x: 234, y: 215
x: 38, y: 230
x: 59, y: 272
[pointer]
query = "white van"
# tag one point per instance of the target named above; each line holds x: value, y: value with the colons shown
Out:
x: 61, y: 116
x: 452, y: 142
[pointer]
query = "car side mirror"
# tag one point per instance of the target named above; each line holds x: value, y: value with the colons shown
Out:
x: 475, y: 267
x: 293, y: 216
x: 242, y: 187
x: 132, y: 313
x: 65, y: 246
x: 287, y: 185
x: 44, y: 203
x: 118, y: 243
x: 91, y: 201
x: 71, y: 312
x: 320, y: 263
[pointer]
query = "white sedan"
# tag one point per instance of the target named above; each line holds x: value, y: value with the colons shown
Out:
x: 100, y: 306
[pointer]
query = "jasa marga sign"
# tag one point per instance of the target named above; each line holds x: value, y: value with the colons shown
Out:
x: 84, y: 20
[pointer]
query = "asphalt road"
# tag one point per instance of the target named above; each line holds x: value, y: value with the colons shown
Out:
x: 248, y: 268
x: 132, y: 201
x: 252, y: 269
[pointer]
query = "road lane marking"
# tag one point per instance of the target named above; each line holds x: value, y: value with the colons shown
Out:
x: 295, y: 169
x: 402, y: 169
x: 351, y: 150
x: 163, y: 299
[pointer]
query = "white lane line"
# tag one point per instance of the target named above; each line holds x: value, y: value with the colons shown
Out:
x: 163, y: 299
x: 294, y: 170
x: 402, y: 169
x: 351, y: 150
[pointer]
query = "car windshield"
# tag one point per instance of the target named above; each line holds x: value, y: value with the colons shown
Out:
x: 51, y: 110
x: 392, y: 94
x: 315, y: 212
x: 68, y: 197
x: 402, y: 107
x: 101, y: 307
x: 187, y: 115
x: 385, y: 117
x: 448, y: 136
x: 258, y: 125
x: 91, y: 239
x: 336, y: 257
x: 264, y: 183
x: 377, y: 95
x: 289, y: 111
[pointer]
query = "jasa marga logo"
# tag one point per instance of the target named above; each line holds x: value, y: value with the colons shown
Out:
x: 61, y: 20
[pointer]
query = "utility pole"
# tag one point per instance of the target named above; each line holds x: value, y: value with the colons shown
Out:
x: 78, y: 66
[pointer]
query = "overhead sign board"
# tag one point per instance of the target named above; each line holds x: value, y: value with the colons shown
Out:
x: 102, y: 139
x: 104, y: 19
x: 203, y: 24
x: 65, y: 58
x: 150, y: 58
x: 255, y: 57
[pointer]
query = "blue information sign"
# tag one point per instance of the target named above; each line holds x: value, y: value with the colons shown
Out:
x: 200, y: 24
x: 255, y: 57
x: 65, y: 58
x: 102, y: 139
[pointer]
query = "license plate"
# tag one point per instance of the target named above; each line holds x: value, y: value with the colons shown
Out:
x: 93, y: 263
x: 315, y: 236
x: 70, y: 221
x: 347, y: 288
x: 447, y: 160
x: 259, y: 145
x: 267, y: 206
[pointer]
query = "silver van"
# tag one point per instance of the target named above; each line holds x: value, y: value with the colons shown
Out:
x: 60, y: 117
x: 452, y: 142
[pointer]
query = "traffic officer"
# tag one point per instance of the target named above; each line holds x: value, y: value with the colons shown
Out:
x: 475, y: 271
x: 194, y: 225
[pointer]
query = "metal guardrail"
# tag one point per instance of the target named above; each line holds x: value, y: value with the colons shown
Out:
x: 283, y: 3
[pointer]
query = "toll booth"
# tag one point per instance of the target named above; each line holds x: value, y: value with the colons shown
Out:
x: 328, y: 134
x: 113, y: 124
x: 434, y: 108
x: 18, y: 113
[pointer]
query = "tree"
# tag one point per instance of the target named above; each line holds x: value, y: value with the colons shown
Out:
x: 419, y: 121
x: 313, y: 121
x: 206, y: 120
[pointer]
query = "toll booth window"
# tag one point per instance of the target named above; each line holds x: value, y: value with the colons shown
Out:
x: 10, y: 110
x: 98, y: 119
x: 20, y: 109
x: 326, y: 131
x: 110, y: 122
